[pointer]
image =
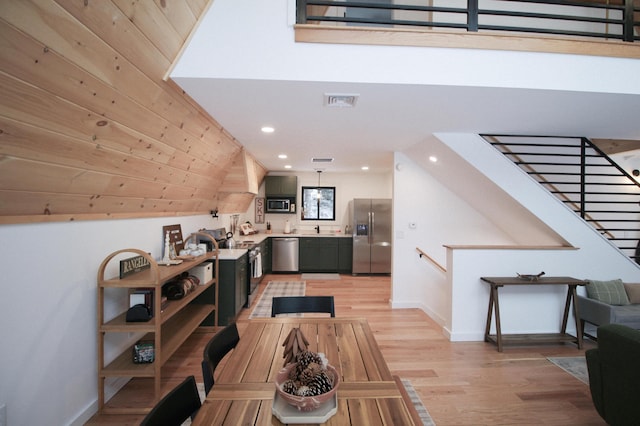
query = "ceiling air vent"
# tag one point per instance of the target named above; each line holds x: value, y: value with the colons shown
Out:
x: 321, y: 160
x: 340, y: 100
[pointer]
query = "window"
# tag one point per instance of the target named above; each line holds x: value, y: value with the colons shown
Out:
x: 318, y: 203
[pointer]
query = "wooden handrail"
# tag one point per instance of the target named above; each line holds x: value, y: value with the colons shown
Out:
x: 431, y: 259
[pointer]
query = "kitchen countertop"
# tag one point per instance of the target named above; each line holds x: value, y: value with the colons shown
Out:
x: 234, y: 254
x: 231, y: 254
x: 258, y: 238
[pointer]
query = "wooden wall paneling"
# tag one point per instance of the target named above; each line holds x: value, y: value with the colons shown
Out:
x: 28, y: 104
x: 25, y: 175
x: 33, y: 203
x: 65, y: 80
x: 120, y: 34
x: 181, y: 16
x: 154, y: 24
x: 28, y: 142
x: 164, y: 102
x: 64, y: 114
x: 209, y: 128
x: 89, y: 129
x: 228, y: 202
x: 53, y: 27
x: 197, y: 6
x: 149, y: 90
x: 240, y: 175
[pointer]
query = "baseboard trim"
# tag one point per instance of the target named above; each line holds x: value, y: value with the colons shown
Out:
x: 114, y: 386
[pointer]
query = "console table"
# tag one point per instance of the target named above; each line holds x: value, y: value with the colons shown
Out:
x: 494, y: 305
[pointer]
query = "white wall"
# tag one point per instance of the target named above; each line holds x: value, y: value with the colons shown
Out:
x: 459, y: 300
x: 348, y: 186
x: 267, y: 40
x: 48, y: 357
x: 441, y: 217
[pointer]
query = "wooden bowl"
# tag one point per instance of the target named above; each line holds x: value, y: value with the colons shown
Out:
x: 306, y: 403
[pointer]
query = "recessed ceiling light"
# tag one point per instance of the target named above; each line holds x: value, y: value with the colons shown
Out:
x: 365, y: 167
x: 288, y: 166
x: 282, y: 156
x: 268, y: 129
x: 433, y: 159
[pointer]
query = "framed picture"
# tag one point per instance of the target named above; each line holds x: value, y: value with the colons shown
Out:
x: 175, y: 237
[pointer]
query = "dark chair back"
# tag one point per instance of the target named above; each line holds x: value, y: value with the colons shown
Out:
x: 301, y: 304
x: 175, y: 407
x: 614, y: 374
x: 219, y: 345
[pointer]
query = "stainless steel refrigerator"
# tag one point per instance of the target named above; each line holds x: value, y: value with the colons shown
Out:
x: 371, y: 228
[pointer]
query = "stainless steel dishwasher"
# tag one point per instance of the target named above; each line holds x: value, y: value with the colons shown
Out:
x: 284, y: 255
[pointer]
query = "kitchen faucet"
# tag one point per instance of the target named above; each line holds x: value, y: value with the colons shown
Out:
x: 317, y: 228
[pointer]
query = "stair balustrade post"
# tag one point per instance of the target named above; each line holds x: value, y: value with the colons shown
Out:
x: 583, y: 173
x: 472, y: 15
x: 627, y: 32
x: 301, y: 11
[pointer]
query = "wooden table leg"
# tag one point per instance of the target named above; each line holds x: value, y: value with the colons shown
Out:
x: 496, y: 304
x: 574, y: 299
x: 565, y: 317
x: 487, y: 328
x: 571, y: 298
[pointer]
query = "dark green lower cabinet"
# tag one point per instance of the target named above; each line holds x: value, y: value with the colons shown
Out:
x: 345, y: 255
x: 232, y: 291
x: 265, y: 251
x: 325, y: 254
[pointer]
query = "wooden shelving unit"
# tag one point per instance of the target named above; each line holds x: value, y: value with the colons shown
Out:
x: 168, y: 328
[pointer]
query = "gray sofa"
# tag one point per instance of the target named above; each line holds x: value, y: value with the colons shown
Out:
x: 610, y: 302
x: 599, y: 313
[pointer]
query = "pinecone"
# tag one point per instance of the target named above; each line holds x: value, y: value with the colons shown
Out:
x: 294, y: 373
x: 304, y: 391
x: 290, y: 387
x: 312, y: 370
x: 321, y: 383
x: 304, y: 358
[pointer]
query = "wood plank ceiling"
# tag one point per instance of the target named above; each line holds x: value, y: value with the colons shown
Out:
x: 89, y: 127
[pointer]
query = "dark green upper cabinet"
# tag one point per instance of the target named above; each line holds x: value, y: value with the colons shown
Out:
x: 281, y: 186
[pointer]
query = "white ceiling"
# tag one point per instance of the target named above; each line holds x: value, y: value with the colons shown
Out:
x: 253, y: 80
x: 390, y: 118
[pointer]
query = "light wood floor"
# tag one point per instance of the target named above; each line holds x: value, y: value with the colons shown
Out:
x: 459, y: 383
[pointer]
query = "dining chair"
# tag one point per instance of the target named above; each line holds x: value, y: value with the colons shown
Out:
x: 219, y: 345
x: 175, y: 407
x: 301, y: 304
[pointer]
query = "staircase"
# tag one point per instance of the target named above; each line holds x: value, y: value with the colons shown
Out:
x: 585, y: 179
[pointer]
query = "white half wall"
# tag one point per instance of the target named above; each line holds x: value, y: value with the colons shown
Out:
x: 455, y: 217
x: 440, y: 217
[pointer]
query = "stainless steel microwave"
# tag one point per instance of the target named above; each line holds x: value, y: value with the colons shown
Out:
x: 280, y: 205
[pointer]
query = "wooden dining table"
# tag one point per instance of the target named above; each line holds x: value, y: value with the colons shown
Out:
x: 368, y: 394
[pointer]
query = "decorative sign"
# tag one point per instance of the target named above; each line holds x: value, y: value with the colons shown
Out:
x: 260, y: 210
x: 175, y: 237
x: 132, y: 265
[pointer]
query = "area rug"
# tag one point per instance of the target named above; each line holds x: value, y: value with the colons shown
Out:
x: 575, y: 365
x: 417, y: 403
x: 413, y: 395
x: 276, y: 289
x: 325, y: 277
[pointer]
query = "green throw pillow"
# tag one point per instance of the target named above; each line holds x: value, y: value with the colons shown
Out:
x: 611, y: 292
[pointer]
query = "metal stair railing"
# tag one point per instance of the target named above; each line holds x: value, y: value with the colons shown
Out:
x: 610, y: 19
x: 584, y: 178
